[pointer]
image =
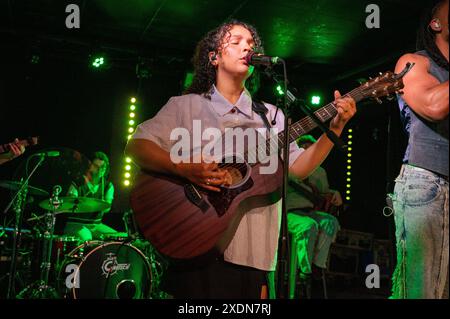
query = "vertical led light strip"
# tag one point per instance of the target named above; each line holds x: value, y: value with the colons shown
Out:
x: 131, y: 127
x: 348, y: 183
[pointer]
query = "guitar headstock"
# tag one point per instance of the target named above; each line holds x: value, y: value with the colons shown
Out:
x: 386, y: 84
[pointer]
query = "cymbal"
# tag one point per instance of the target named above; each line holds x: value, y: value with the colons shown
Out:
x: 77, y: 205
x: 15, y: 186
x: 65, y: 170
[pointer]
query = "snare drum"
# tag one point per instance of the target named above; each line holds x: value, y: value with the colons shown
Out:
x: 62, y: 246
x: 117, y: 236
x: 99, y: 270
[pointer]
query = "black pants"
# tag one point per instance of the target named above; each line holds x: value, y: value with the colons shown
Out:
x: 216, y: 279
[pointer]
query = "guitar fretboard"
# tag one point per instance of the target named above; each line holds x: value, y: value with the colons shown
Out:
x: 306, y: 124
x: 32, y: 141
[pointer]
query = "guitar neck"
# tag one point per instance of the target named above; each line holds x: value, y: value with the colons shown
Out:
x: 310, y: 195
x: 307, y: 124
x: 5, y: 147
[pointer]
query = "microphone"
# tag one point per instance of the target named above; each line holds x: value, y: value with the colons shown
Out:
x: 48, y: 154
x: 254, y: 58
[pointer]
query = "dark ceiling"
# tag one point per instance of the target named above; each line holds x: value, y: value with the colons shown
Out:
x: 328, y: 38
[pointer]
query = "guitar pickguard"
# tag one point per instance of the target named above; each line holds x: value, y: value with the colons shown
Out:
x: 222, y: 200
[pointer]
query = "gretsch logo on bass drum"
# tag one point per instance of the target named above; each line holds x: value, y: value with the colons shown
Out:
x: 110, y: 266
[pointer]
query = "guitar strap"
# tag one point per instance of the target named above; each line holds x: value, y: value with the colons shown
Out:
x: 261, y: 110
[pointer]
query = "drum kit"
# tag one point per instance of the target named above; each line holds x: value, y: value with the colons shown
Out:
x: 45, y: 265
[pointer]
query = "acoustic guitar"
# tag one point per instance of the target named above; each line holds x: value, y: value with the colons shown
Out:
x: 182, y: 220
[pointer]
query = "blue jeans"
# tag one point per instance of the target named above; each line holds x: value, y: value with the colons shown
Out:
x: 421, y: 221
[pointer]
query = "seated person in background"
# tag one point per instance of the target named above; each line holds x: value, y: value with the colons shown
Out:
x: 88, y: 226
x: 313, y: 230
x: 15, y: 150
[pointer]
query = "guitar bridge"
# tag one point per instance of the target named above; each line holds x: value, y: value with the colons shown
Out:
x: 195, y: 197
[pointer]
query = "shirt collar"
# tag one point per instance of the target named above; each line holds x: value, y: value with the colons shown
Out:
x: 222, y: 106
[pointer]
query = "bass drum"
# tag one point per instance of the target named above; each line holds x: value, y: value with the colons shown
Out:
x: 99, y: 270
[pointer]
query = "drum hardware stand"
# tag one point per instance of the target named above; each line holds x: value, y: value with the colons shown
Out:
x: 156, y: 267
x: 130, y: 225
x: 41, y: 289
x: 19, y: 201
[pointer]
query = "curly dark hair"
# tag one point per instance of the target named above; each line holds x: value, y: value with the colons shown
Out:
x: 426, y: 37
x: 205, y: 72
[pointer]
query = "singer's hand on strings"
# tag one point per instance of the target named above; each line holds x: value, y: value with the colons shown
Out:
x: 206, y: 175
x: 346, y: 108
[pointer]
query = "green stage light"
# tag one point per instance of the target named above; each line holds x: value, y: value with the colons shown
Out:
x: 133, y: 100
x: 126, y: 182
x: 188, y: 80
x: 132, y: 107
x: 128, y: 160
x: 347, y: 198
x: 315, y: 100
x: 98, y: 61
x: 127, y: 175
x: 131, y: 122
x: 279, y: 90
x: 132, y: 115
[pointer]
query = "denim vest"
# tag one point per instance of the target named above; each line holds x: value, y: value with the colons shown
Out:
x: 428, y: 141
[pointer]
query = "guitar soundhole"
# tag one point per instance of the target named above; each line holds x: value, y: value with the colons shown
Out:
x: 237, y: 172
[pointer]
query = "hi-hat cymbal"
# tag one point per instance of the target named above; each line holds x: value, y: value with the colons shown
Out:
x: 77, y: 205
x: 15, y: 186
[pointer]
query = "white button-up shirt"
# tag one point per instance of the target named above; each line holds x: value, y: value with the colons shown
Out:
x: 256, y: 239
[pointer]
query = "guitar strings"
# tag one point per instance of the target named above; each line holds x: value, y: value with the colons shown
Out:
x: 307, y: 122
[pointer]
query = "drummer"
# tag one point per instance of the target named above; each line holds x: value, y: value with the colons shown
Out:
x: 89, y: 226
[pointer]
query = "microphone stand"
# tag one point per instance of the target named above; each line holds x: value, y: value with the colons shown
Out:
x: 282, y: 288
x: 18, y: 225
